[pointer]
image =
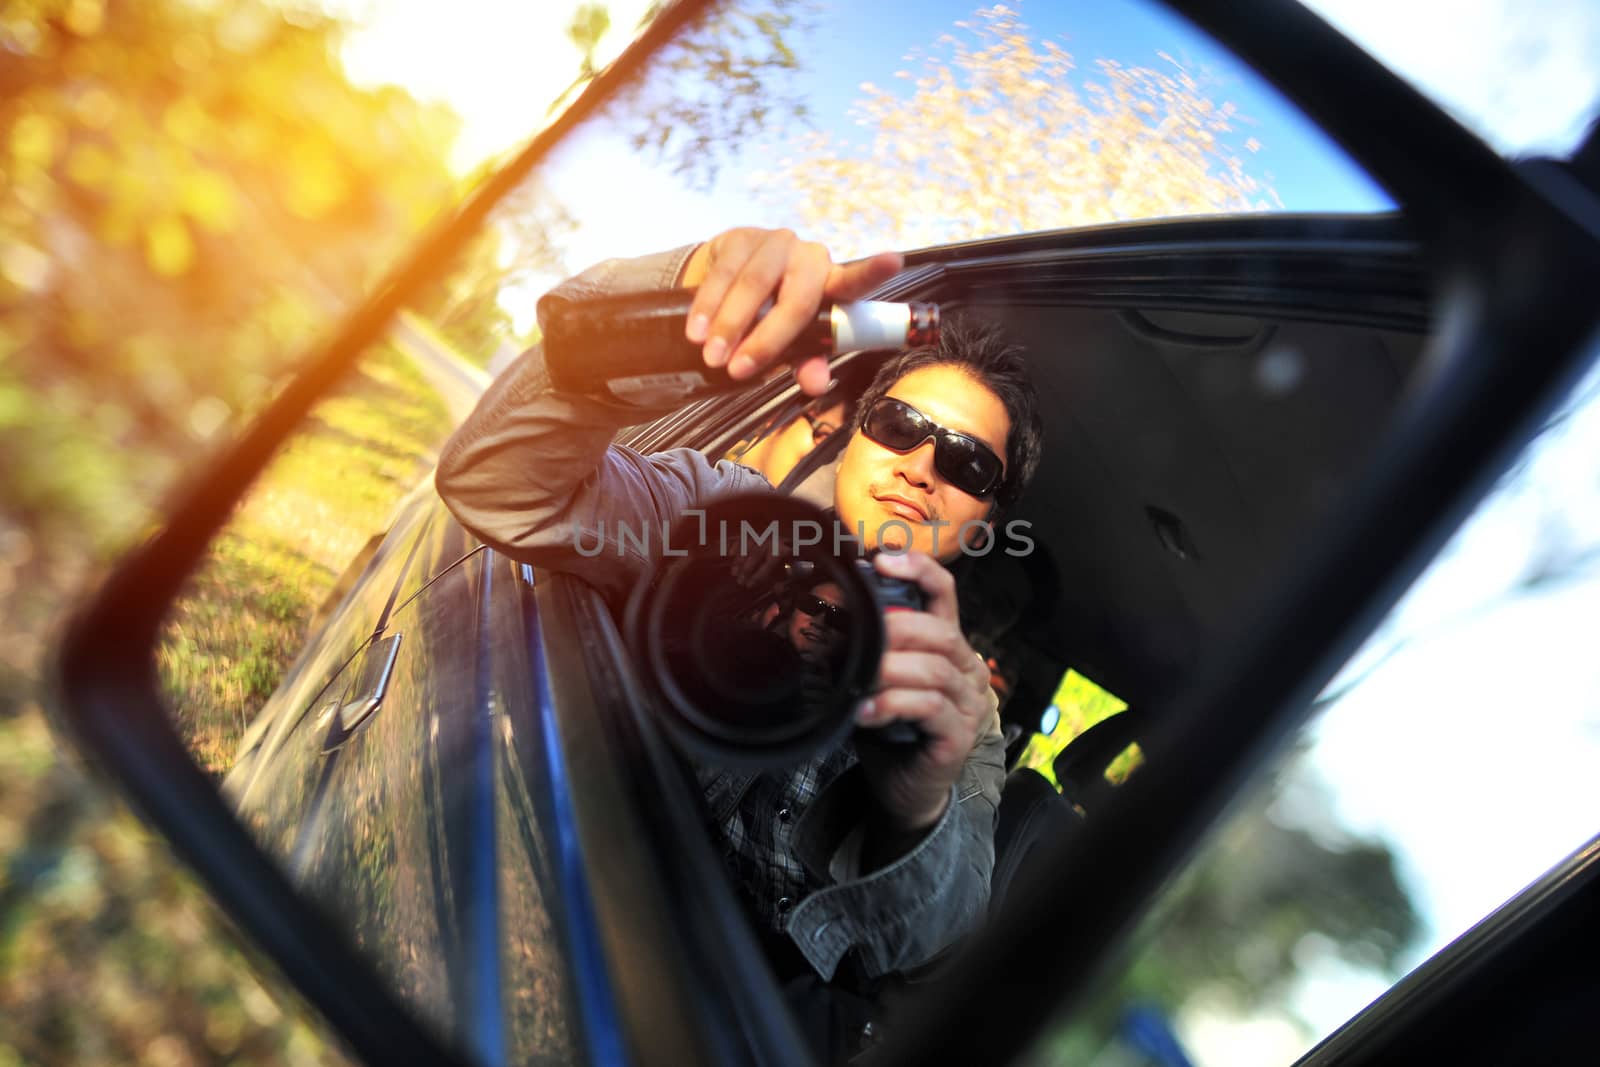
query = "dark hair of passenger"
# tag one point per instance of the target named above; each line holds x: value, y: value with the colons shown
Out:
x: 981, y: 351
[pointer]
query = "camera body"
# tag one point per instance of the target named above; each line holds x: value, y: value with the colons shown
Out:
x: 892, y: 594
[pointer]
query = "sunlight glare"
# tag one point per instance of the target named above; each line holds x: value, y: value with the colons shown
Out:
x: 497, y: 66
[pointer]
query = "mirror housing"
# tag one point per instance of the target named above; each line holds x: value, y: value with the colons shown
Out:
x: 1515, y: 249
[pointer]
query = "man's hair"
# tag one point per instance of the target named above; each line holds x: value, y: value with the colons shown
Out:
x: 980, y: 350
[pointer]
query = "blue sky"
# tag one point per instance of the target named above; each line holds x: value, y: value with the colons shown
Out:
x: 630, y: 205
x: 1309, y: 172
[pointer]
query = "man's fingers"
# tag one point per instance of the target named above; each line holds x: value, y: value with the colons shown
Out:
x: 814, y: 376
x: 725, y: 257
x: 805, y: 269
x: 744, y: 297
x: 737, y: 272
x: 933, y: 712
x: 854, y: 280
x: 936, y: 583
x: 930, y: 670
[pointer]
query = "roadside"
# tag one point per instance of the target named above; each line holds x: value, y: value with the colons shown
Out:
x: 335, y: 484
x: 109, y: 950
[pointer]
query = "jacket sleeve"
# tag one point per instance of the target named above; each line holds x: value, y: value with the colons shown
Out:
x: 532, y: 472
x: 904, y: 916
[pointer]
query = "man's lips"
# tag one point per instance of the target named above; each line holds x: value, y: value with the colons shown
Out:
x: 902, y: 503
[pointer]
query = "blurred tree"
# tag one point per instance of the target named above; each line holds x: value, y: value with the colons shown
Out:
x: 589, y: 23
x: 188, y: 193
x: 1279, y: 890
x: 190, y: 190
x: 997, y: 136
x: 723, y: 81
x: 1281, y: 885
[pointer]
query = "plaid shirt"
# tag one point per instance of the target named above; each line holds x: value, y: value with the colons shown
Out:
x: 753, y: 816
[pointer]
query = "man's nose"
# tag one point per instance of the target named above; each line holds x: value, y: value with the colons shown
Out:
x: 916, y: 466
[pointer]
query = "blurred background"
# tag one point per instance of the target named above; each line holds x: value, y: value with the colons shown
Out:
x: 191, y: 191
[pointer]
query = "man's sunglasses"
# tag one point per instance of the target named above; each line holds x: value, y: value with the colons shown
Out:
x: 809, y: 604
x: 963, y: 461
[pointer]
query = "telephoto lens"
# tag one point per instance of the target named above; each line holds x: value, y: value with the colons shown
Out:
x: 761, y: 639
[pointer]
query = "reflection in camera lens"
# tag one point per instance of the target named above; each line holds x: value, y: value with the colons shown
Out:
x: 758, y: 658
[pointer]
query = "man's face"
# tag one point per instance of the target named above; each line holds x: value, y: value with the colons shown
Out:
x: 884, y: 492
x: 810, y: 630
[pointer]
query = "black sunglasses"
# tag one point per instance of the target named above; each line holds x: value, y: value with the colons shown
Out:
x: 963, y: 461
x: 809, y: 604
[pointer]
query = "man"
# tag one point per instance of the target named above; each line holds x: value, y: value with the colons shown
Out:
x: 886, y: 862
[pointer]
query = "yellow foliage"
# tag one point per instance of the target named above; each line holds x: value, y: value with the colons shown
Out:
x: 96, y: 108
x: 85, y: 17
x: 996, y: 136
x: 312, y: 183
x: 168, y: 248
x: 25, y: 267
x: 207, y: 198
x: 185, y: 121
x: 90, y: 165
x: 36, y: 140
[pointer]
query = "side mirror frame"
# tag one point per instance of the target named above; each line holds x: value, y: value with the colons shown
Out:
x: 1514, y: 250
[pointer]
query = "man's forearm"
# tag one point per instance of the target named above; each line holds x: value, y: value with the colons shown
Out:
x: 530, y: 472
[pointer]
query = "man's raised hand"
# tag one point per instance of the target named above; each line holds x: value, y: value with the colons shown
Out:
x: 739, y: 270
x: 929, y: 676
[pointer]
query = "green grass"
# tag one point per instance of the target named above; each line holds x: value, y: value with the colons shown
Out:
x: 246, y: 612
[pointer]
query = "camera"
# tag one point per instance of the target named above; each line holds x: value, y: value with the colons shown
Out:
x: 762, y: 631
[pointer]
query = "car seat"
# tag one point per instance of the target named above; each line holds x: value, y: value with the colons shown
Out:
x: 1033, y: 813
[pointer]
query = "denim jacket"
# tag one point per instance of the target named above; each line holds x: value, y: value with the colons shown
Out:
x: 531, y: 467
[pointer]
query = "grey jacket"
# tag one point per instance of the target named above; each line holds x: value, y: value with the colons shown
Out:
x: 530, y: 466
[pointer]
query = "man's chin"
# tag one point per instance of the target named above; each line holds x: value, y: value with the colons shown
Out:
x: 890, y: 531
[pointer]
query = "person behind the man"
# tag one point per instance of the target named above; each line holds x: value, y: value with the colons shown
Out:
x: 884, y: 860
x: 776, y: 450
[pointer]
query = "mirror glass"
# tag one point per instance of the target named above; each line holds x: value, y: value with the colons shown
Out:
x: 364, y: 678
